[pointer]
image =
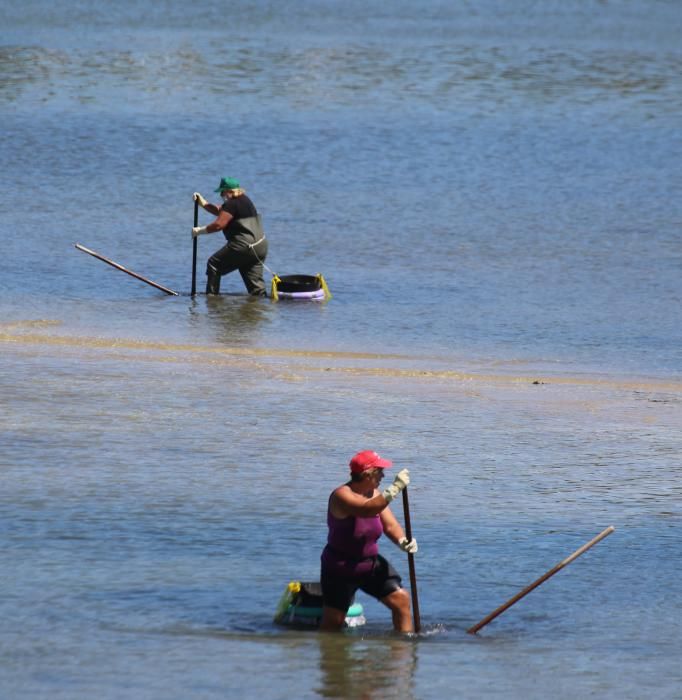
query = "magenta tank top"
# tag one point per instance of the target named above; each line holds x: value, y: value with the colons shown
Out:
x: 351, y: 544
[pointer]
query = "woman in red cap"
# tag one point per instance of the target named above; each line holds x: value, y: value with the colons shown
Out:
x: 357, y: 515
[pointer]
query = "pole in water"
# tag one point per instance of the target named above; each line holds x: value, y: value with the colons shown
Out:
x: 410, y: 563
x: 194, y: 250
x: 124, y: 269
x: 542, y: 579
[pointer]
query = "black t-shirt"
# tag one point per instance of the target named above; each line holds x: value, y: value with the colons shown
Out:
x: 240, y: 207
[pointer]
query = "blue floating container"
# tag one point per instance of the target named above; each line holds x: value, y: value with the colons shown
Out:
x: 300, y: 607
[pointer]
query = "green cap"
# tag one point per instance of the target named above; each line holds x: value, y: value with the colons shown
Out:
x: 227, y: 183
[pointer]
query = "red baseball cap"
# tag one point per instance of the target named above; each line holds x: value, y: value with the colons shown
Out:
x: 368, y: 459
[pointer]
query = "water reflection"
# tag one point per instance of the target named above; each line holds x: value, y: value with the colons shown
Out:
x: 231, y: 318
x: 367, y: 669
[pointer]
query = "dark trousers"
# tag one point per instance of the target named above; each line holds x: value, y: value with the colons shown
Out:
x: 249, y: 262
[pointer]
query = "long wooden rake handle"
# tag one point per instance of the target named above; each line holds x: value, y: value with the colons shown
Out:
x: 410, y: 563
x: 194, y: 250
x: 542, y: 579
x: 125, y: 269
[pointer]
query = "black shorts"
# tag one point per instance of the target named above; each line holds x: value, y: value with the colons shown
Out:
x: 338, y: 591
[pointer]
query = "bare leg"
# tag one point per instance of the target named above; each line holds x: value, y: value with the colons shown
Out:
x: 398, y: 603
x: 332, y: 619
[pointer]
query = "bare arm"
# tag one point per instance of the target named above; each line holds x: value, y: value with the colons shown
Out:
x: 212, y: 208
x: 392, y: 528
x: 222, y: 220
x: 345, y: 502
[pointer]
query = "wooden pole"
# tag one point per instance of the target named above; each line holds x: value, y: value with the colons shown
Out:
x: 194, y: 250
x: 123, y: 269
x: 542, y: 579
x: 410, y: 563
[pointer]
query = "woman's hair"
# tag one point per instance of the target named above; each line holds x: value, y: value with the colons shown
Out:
x: 361, y: 476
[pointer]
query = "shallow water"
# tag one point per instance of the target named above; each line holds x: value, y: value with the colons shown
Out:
x: 144, y: 529
x: 493, y: 196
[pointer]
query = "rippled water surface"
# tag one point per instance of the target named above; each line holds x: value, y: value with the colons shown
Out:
x: 492, y: 192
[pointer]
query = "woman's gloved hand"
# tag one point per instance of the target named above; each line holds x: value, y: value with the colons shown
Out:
x: 409, y: 546
x: 402, y: 479
x: 198, y: 198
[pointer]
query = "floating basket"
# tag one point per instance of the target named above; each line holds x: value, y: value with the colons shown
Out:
x: 301, y: 287
x: 301, y: 606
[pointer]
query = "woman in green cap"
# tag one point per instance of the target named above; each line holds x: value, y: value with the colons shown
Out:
x: 246, y: 247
